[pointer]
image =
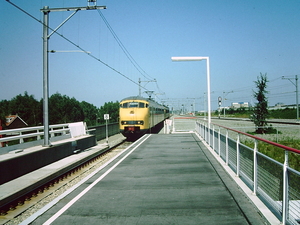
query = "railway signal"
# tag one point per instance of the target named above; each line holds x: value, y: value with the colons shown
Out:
x: 220, y: 103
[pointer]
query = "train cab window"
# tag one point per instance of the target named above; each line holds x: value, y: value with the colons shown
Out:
x: 133, y: 104
x: 124, y: 105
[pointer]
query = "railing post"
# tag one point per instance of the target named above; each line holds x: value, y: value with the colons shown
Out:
x: 21, y: 139
x: 227, y: 147
x: 173, y: 130
x: 39, y: 136
x: 285, y: 200
x: 204, y: 130
x: 213, y: 137
x: 238, y: 155
x: 219, y: 141
x: 52, y: 134
x: 255, y: 167
x: 208, y: 133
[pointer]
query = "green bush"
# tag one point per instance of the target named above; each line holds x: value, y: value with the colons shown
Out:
x: 277, y: 153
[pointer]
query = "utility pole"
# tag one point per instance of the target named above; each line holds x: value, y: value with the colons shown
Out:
x: 296, y: 85
x: 46, y: 36
x: 193, y: 105
x: 224, y: 95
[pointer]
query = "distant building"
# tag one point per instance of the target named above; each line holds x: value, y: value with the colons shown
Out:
x: 14, y: 121
x: 282, y: 106
x: 237, y: 105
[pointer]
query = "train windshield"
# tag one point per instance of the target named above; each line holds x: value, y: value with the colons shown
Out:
x: 133, y: 105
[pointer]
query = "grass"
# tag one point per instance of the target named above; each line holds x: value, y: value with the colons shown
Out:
x: 267, y: 149
x: 278, y: 153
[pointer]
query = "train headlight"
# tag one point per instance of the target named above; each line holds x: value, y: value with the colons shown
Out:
x: 132, y: 122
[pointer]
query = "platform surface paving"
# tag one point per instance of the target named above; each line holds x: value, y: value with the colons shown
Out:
x: 169, y: 179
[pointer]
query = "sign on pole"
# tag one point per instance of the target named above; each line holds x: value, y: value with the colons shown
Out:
x: 106, y: 116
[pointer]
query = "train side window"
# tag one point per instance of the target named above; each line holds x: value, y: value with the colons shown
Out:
x: 125, y: 105
x: 147, y: 105
x: 141, y: 105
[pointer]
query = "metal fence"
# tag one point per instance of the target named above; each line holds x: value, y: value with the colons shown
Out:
x: 32, y: 136
x: 37, y: 132
x: 100, y: 130
x: 276, y: 184
x: 13, y: 139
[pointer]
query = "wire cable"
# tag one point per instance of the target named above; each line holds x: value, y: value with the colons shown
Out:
x: 128, y: 55
x: 77, y: 46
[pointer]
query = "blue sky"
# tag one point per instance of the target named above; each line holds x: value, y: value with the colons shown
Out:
x: 241, y: 38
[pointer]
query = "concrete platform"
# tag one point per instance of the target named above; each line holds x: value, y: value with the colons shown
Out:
x: 24, y: 184
x: 167, y: 179
x: 23, y: 161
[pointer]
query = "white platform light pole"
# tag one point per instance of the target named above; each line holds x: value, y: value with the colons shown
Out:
x: 199, y: 58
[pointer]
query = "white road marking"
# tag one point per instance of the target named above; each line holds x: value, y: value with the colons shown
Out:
x: 61, y: 211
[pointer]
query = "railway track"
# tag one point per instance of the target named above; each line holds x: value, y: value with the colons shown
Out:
x: 24, y: 206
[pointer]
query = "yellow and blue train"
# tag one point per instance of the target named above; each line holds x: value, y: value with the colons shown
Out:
x: 139, y: 115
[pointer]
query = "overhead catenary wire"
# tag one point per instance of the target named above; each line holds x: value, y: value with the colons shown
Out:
x: 276, y: 91
x: 126, y: 52
x: 77, y: 46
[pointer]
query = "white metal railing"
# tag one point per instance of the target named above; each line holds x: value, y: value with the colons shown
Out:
x: 276, y: 184
x: 182, y: 123
x: 28, y: 132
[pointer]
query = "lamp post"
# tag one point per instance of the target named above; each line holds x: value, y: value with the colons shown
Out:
x: 198, y: 58
x: 46, y: 36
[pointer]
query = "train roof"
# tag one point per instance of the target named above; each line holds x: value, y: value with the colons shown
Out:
x: 151, y: 102
x: 135, y: 98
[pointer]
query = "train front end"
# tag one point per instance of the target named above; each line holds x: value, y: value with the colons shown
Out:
x: 134, y: 117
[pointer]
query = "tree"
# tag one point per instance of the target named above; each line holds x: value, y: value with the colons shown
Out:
x: 90, y: 113
x: 3, y: 112
x: 260, y: 112
x: 63, y: 109
x: 111, y: 108
x: 27, y: 107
